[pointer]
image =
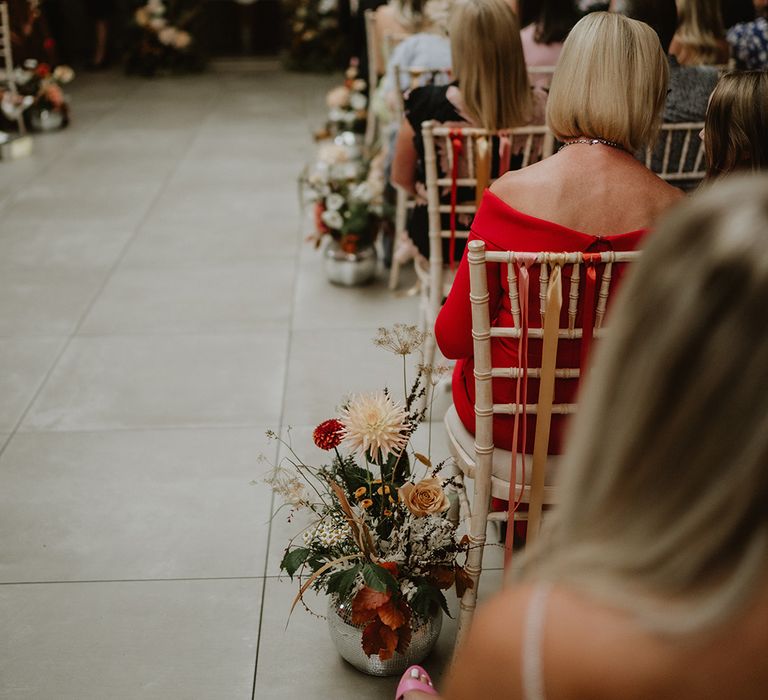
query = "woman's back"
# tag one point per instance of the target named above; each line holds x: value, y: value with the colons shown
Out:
x: 595, y: 652
x: 594, y: 189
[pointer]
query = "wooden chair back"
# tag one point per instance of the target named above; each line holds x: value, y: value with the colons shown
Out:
x: 7, y: 69
x: 678, y: 155
x: 372, y: 49
x: 414, y: 77
x: 567, y: 312
x: 531, y: 143
x: 541, y: 75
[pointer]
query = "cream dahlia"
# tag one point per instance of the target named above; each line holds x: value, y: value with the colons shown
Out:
x: 374, y: 424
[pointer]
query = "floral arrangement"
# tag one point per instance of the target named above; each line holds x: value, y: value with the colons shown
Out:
x: 316, y: 39
x: 380, y: 537
x: 161, y: 39
x: 42, y: 86
x: 347, y: 209
x: 347, y: 105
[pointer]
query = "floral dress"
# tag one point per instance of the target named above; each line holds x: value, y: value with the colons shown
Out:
x: 749, y: 44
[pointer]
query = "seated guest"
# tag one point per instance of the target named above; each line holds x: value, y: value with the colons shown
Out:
x: 397, y: 18
x: 700, y: 38
x: 604, y: 104
x: 426, y: 49
x: 491, y: 91
x: 689, y: 86
x: 736, y: 129
x: 749, y: 41
x: 650, y: 580
x: 546, y: 24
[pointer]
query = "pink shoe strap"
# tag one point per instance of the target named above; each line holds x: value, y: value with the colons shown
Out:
x: 409, y: 683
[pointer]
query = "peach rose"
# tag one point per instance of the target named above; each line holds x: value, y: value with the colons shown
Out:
x: 424, y: 498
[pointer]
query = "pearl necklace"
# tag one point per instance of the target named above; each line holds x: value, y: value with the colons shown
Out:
x: 593, y: 142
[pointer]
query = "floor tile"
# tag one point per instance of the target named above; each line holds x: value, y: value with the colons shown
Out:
x: 203, y: 206
x: 164, y: 381
x: 116, y: 205
x: 165, y: 640
x: 167, y: 244
x: 320, y: 304
x: 219, y: 299
x: 69, y: 247
x: 133, y: 505
x: 24, y: 363
x: 327, y: 365
x: 324, y: 673
x: 45, y: 302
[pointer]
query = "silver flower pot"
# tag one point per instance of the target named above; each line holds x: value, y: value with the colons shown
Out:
x: 348, y: 640
x: 41, y: 119
x: 349, y: 269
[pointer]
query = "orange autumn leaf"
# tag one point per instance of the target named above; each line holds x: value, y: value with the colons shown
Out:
x: 379, y: 639
x: 366, y: 603
x: 392, y: 615
x: 441, y: 576
x: 368, y: 599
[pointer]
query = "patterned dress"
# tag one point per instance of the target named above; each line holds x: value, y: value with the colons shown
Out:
x: 749, y: 44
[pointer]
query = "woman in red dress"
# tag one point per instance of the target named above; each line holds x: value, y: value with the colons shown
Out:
x: 605, y: 105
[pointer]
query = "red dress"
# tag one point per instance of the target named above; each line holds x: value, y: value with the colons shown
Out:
x: 505, y: 228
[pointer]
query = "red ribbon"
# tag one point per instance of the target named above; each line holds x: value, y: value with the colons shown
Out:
x: 505, y: 153
x: 588, y: 314
x: 456, y: 146
x: 524, y: 261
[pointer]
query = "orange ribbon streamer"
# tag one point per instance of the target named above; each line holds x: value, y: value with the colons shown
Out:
x: 524, y: 262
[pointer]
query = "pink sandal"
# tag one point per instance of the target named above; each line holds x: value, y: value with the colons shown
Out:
x: 411, y: 680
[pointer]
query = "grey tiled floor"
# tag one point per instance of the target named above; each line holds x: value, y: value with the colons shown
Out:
x: 158, y: 312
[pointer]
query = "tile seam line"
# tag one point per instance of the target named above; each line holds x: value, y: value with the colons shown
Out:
x: 289, y: 345
x: 66, y: 582
x: 107, y: 276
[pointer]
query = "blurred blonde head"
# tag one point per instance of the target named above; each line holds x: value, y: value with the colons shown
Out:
x: 664, y: 489
x: 700, y: 31
x: 488, y: 63
x: 611, y: 82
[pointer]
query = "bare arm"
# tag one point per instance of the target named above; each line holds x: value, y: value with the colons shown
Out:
x: 405, y: 159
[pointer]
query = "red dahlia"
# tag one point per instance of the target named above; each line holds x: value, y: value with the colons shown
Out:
x: 329, y: 434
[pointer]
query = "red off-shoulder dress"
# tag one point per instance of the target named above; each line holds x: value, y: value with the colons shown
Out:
x: 505, y: 228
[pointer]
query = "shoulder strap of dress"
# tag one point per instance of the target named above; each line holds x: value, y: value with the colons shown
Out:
x: 533, y: 633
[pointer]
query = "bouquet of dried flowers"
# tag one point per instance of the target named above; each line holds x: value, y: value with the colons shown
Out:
x: 380, y: 536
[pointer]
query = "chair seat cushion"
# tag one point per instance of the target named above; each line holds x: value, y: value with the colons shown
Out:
x: 463, y: 445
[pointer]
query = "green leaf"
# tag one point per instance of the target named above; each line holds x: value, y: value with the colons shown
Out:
x: 428, y: 599
x: 379, y: 578
x: 293, y: 559
x: 341, y: 582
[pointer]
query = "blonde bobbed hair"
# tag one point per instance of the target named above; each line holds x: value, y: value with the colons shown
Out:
x: 665, y: 481
x: 488, y: 64
x: 610, y: 82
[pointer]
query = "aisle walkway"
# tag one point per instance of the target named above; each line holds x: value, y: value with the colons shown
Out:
x: 158, y: 312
